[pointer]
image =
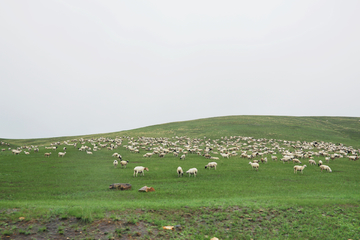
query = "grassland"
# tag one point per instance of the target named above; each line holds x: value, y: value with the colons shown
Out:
x: 232, y: 202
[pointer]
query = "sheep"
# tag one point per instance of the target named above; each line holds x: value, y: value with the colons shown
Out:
x: 124, y: 163
x: 192, y: 171
x: 254, y: 165
x: 64, y: 148
x: 325, y: 167
x: 179, y: 171
x: 264, y: 160
x: 148, y: 154
x: 224, y: 155
x: 115, y: 155
x: 162, y: 154
x: 211, y: 165
x: 62, y: 154
x: 256, y: 161
x: 88, y: 152
x: 320, y: 163
x: 27, y: 153
x: 285, y: 160
x: 354, y: 158
x: 16, y: 152
x: 47, y: 154
x: 115, y: 163
x: 183, y: 156
x: 214, y: 158
x: 299, y: 168
x: 312, y: 162
x: 139, y: 169
x: 295, y: 160
x: 207, y: 155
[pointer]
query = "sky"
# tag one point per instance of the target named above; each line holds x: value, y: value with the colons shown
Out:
x: 76, y: 67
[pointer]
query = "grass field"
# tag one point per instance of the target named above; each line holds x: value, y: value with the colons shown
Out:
x: 233, y: 201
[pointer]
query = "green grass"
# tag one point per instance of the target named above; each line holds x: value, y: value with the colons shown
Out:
x: 77, y: 184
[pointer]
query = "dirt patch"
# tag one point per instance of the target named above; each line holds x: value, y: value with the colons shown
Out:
x: 74, y: 228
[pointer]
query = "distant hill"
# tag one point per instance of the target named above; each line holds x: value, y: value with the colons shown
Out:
x: 344, y: 130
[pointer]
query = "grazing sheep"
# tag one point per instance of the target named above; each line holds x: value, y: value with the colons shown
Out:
x: 182, y: 157
x: 16, y: 152
x: 211, y: 165
x: 264, y: 160
x: 115, y: 163
x: 214, y: 158
x: 353, y: 158
x: 192, y: 171
x: 27, y: 153
x: 256, y: 161
x: 124, y: 163
x: 254, y: 165
x: 224, y: 155
x: 88, y: 152
x: 299, y: 168
x: 325, y: 167
x: 179, y: 171
x: 285, y: 160
x: 148, y: 154
x: 207, y: 155
x: 139, y: 169
x: 64, y: 149
x: 295, y: 160
x: 47, y: 154
x: 327, y: 159
x: 320, y: 163
x: 312, y: 162
x: 62, y: 154
x: 162, y: 154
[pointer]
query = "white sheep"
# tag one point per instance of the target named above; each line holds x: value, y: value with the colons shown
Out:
x: 211, y: 165
x: 299, y: 168
x: 192, y: 171
x: 254, y: 165
x: 140, y: 169
x: 264, y: 160
x: 148, y: 154
x: 62, y: 154
x: 115, y: 163
x: 320, y: 163
x: 179, y: 171
x: 182, y: 157
x: 16, y: 152
x: 124, y: 163
x: 295, y: 160
x: 312, y: 162
x: 88, y: 152
x: 47, y: 154
x: 325, y: 167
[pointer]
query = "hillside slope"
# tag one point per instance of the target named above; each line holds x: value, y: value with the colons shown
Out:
x: 344, y: 130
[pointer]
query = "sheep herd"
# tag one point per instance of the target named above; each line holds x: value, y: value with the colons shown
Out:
x: 255, y: 150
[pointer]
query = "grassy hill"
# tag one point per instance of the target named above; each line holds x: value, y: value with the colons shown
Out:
x: 233, y: 201
x: 344, y: 130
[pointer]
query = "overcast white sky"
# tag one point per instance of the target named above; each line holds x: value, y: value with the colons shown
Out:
x: 72, y: 67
